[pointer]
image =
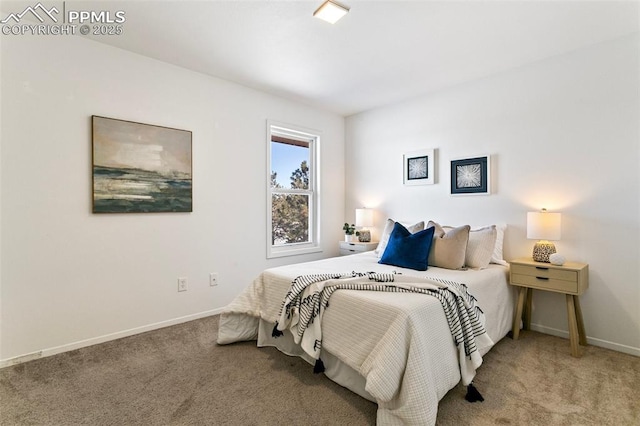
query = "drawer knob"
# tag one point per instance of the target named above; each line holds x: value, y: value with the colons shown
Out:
x: 542, y: 278
x: 542, y: 268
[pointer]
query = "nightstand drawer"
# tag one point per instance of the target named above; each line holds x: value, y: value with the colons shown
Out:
x: 546, y: 283
x: 347, y: 248
x: 352, y: 246
x: 344, y: 252
x: 543, y: 272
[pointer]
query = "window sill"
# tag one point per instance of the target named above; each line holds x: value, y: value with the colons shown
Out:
x: 274, y: 252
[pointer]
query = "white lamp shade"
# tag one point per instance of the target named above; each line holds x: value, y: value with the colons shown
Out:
x: 364, y: 217
x: 543, y: 226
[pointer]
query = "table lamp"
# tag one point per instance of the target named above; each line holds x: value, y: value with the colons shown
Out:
x: 543, y: 226
x: 364, y: 219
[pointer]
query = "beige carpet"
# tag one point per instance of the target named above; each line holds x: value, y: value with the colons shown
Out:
x: 179, y: 376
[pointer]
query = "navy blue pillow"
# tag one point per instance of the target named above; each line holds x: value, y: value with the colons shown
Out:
x: 408, y: 250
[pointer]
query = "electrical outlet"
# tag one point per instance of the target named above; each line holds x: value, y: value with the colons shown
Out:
x: 213, y: 279
x: 182, y: 284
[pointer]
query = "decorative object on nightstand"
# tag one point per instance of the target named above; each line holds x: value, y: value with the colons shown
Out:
x: 557, y: 259
x: 543, y: 226
x: 353, y: 247
x: 364, y: 219
x: 570, y: 279
x: 349, y: 232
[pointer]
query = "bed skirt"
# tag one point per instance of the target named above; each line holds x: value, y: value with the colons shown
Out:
x: 334, y: 369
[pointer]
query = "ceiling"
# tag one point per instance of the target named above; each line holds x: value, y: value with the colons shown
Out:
x: 380, y: 53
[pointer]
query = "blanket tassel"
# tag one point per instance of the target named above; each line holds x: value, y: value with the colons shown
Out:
x: 276, y: 332
x: 472, y: 394
x: 319, y: 367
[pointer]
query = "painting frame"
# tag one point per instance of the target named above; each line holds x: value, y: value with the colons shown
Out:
x: 471, y: 175
x: 418, y: 167
x: 140, y: 167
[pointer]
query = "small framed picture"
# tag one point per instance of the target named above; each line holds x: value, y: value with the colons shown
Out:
x: 471, y: 176
x: 419, y: 167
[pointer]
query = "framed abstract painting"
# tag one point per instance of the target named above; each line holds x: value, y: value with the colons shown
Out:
x: 419, y: 167
x: 471, y: 176
x: 140, y: 168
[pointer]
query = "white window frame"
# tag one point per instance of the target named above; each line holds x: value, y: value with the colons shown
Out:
x: 313, y: 138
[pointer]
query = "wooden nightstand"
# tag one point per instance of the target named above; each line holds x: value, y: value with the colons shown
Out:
x: 571, y: 279
x: 347, y: 248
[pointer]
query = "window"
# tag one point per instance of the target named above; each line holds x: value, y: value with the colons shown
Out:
x: 292, y: 190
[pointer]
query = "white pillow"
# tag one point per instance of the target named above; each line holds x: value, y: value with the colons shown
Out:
x: 480, y: 247
x: 497, y: 256
x: 386, y: 233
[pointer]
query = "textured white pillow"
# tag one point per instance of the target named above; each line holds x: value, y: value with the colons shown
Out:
x: 480, y: 247
x: 386, y: 233
x: 497, y: 256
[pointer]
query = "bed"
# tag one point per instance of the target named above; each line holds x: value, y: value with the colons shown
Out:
x: 395, y: 349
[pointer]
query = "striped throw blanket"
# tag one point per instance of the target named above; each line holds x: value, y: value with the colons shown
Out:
x: 303, y: 306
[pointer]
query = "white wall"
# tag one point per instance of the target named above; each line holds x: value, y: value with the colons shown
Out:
x: 71, y: 278
x: 563, y: 134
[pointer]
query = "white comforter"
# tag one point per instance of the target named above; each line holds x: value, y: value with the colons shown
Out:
x: 400, y: 343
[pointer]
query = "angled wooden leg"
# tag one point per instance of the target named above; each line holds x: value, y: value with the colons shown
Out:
x: 573, y: 326
x: 522, y: 292
x: 526, y: 321
x: 581, y: 332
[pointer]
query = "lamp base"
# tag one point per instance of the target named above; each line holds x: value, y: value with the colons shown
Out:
x: 542, y: 250
x: 364, y: 236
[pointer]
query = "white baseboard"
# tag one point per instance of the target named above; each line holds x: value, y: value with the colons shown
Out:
x: 107, y: 337
x: 590, y: 340
x: 126, y: 333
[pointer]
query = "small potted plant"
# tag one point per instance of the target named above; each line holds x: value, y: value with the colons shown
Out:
x: 349, y: 232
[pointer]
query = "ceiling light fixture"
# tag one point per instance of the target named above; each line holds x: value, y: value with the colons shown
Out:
x: 331, y: 11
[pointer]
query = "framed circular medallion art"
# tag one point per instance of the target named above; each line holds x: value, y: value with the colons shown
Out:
x: 471, y: 176
x: 419, y: 167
